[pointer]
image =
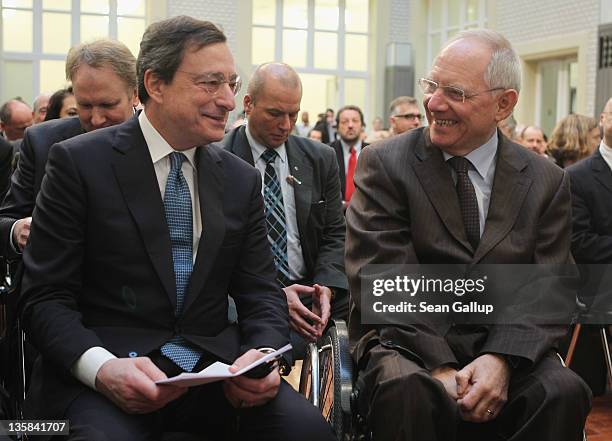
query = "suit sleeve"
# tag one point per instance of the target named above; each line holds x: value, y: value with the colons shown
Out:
x: 588, y: 245
x: 329, y: 267
x: 20, y: 199
x: 6, y: 167
x: 262, y: 306
x: 378, y: 232
x: 53, y: 264
x: 531, y: 341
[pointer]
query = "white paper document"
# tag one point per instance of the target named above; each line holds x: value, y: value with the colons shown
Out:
x: 218, y: 371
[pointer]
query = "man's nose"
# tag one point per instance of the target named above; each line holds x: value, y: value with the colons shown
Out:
x: 98, y: 117
x: 285, y: 123
x: 225, y: 98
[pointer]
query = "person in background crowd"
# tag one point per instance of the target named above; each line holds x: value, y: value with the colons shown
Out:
x: 378, y: 131
x: 304, y: 127
x: 532, y: 137
x: 404, y: 114
x: 62, y: 104
x: 15, y: 117
x: 327, y: 127
x: 574, y: 138
x: 350, y: 123
x: 458, y: 192
x: 39, y: 108
x: 315, y: 135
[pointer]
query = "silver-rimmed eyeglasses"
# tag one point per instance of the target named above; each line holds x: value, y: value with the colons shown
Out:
x: 453, y: 93
x: 212, y: 82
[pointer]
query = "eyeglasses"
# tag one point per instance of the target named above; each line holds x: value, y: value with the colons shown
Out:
x: 409, y: 116
x: 212, y: 82
x: 453, y: 93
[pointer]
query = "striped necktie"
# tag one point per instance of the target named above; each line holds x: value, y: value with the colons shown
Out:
x: 275, y: 218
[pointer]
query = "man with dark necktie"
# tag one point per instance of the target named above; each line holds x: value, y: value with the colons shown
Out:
x: 302, y: 199
x: 459, y: 192
x: 140, y: 232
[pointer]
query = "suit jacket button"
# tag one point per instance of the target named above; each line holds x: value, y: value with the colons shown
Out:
x: 133, y: 354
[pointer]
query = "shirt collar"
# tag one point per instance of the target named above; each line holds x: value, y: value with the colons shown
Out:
x: 606, y: 153
x: 347, y: 148
x: 258, y: 149
x: 158, y: 147
x: 482, y: 157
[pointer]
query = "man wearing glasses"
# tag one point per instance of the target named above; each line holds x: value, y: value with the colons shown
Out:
x: 404, y: 114
x: 141, y: 231
x: 458, y: 192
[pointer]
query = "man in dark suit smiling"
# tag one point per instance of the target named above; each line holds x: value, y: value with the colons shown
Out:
x: 139, y: 233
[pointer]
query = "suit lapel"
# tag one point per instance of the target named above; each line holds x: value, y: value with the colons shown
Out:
x: 601, y: 171
x: 240, y: 146
x: 135, y: 174
x: 510, y: 187
x: 210, y: 189
x: 301, y: 170
x: 436, y: 179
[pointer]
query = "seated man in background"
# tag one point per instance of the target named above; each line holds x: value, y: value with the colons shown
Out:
x: 140, y: 232
x: 103, y: 75
x: 302, y: 200
x: 404, y: 115
x: 460, y: 193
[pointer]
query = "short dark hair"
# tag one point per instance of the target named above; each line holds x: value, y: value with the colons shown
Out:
x: 350, y: 107
x: 56, y: 102
x: 164, y: 44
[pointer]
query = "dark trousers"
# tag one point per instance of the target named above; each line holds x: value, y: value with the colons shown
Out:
x: 202, y: 411
x: 402, y: 401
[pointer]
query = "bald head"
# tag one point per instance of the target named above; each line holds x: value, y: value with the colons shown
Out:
x: 15, y: 117
x: 276, y: 74
x: 605, y: 121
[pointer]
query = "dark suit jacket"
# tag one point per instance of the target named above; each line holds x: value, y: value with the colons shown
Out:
x: 322, y: 127
x: 406, y: 211
x: 317, y: 204
x: 6, y: 166
x: 591, y: 184
x: 26, y: 180
x: 337, y: 146
x: 99, y: 272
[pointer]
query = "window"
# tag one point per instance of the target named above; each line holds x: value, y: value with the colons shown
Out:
x: 326, y: 41
x: 447, y: 17
x: 37, y: 34
x: 556, y: 87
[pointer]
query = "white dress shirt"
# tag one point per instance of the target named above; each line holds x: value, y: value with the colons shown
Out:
x: 346, y: 151
x: 86, y: 368
x: 297, y: 266
x: 606, y: 153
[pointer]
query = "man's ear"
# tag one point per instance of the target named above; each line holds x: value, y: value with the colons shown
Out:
x: 248, y: 104
x: 154, y: 86
x: 134, y: 98
x: 505, y: 104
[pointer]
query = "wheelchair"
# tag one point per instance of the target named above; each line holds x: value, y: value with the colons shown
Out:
x: 327, y: 379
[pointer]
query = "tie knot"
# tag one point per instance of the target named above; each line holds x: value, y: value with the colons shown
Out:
x: 176, y: 160
x: 459, y: 164
x: 269, y: 155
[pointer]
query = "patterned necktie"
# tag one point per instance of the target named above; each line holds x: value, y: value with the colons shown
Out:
x: 467, y: 199
x: 275, y: 218
x: 350, y: 185
x: 177, y: 207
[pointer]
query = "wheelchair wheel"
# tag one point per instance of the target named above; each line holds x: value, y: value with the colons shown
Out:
x: 328, y: 365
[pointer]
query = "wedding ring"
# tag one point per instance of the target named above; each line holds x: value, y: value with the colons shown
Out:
x: 490, y: 412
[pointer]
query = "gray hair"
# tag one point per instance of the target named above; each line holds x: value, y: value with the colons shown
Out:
x: 399, y: 101
x: 103, y: 53
x: 36, y: 103
x: 504, y: 69
x: 282, y: 74
x: 164, y: 44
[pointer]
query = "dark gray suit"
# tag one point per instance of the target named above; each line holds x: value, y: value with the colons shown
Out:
x: 317, y: 201
x: 406, y: 211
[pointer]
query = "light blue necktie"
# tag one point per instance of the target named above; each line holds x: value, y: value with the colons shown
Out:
x: 177, y: 207
x: 275, y: 218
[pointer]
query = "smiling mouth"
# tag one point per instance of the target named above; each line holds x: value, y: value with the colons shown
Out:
x: 445, y: 122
